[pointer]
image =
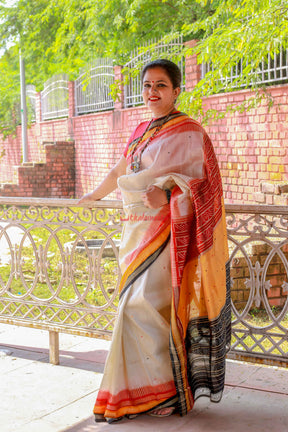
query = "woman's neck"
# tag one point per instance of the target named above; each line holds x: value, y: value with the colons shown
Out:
x: 156, y: 116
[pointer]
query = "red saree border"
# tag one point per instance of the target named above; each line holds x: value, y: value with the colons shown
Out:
x: 134, y: 400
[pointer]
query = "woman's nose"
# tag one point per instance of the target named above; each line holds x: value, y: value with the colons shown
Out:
x: 153, y: 88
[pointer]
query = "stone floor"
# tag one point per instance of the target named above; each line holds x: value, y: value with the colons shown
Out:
x: 39, y: 397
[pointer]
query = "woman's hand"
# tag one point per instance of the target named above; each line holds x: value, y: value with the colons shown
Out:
x: 87, y: 198
x: 154, y: 197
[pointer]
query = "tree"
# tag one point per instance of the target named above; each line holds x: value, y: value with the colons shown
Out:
x: 58, y: 36
x: 245, y: 31
x: 68, y: 33
x: 10, y: 97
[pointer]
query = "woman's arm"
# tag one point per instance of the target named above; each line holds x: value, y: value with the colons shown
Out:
x: 108, y: 185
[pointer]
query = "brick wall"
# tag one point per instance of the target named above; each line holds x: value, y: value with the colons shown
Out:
x: 38, y: 135
x: 55, y: 177
x: 251, y: 147
x: 103, y: 139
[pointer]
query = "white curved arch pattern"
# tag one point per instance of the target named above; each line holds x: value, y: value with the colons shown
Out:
x: 59, y: 271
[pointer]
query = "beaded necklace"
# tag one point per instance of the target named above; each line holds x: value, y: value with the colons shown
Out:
x: 136, y: 163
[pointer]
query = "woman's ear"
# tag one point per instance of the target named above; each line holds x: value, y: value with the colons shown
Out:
x: 177, y: 91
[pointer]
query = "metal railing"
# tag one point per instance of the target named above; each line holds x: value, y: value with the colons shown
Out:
x: 59, y: 271
x: 272, y: 70
x: 55, y: 97
x: 93, y: 87
x: 258, y: 241
x: 142, y: 55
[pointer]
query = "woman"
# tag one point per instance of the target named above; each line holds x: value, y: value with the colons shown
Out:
x: 173, y: 327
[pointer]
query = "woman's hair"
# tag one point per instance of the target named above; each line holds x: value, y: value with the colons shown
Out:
x: 171, y: 69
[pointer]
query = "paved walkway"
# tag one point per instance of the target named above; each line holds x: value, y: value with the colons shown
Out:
x: 39, y: 397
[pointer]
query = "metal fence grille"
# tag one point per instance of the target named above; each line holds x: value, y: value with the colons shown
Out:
x: 93, y: 87
x: 54, y: 97
x: 272, y: 70
x: 142, y: 55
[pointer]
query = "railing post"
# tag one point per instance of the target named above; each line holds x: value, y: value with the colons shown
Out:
x: 54, y: 347
x: 38, y: 108
x: 71, y: 109
x: 71, y: 99
x: 119, y: 103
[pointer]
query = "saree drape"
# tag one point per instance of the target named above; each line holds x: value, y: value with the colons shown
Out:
x: 173, y: 328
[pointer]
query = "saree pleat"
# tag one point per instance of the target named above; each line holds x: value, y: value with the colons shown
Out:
x: 173, y: 326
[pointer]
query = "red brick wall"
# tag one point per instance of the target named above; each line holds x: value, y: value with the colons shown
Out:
x: 38, y: 135
x: 251, y: 147
x: 103, y: 138
x: 11, y: 156
x: 55, y: 177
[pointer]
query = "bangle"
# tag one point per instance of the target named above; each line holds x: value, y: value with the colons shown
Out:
x: 168, y: 194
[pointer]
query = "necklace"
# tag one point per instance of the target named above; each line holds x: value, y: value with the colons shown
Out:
x: 136, y: 163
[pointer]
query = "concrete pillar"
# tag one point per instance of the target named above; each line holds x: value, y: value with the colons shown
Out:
x: 54, y: 347
x: 38, y: 108
x: 71, y: 109
x: 119, y: 103
x: 192, y: 69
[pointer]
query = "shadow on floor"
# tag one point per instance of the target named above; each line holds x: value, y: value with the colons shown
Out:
x: 83, y: 426
x: 73, y: 359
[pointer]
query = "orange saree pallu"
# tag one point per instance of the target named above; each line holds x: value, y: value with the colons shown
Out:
x: 173, y: 326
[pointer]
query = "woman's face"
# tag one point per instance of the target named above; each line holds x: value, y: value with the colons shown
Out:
x: 158, y: 93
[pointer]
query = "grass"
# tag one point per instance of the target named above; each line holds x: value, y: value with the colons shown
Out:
x: 259, y: 319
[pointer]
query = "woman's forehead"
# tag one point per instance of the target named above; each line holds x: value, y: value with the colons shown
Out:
x: 156, y: 74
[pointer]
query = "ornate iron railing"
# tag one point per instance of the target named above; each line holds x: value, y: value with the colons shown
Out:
x: 258, y: 241
x: 59, y: 266
x: 59, y: 271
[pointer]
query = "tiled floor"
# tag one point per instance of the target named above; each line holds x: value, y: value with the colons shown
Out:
x: 39, y: 397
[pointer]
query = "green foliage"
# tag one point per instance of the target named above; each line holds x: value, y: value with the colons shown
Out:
x: 64, y: 35
x: 9, y: 92
x: 238, y: 30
